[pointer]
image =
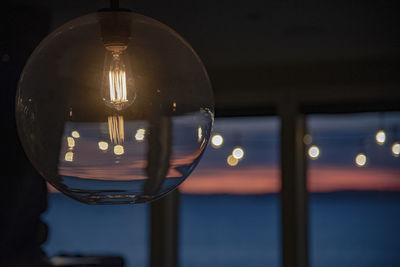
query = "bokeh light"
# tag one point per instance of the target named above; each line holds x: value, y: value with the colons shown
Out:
x: 103, y: 145
x: 380, y: 137
x: 75, y: 134
x: 140, y: 133
x: 396, y: 149
x: 238, y: 153
x: 69, y: 156
x: 118, y: 150
x: 232, y: 161
x: 361, y: 160
x: 71, y: 142
x: 217, y: 140
x: 313, y: 152
x: 307, y: 139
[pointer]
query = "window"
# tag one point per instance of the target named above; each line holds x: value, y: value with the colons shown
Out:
x: 229, y: 214
x: 354, y: 184
x: 115, y: 230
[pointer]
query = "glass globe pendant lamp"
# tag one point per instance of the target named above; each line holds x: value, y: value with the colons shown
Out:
x: 114, y: 107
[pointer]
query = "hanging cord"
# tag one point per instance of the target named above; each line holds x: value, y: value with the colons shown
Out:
x: 114, y: 4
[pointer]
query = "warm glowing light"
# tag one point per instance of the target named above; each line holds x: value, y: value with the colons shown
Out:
x: 396, y: 149
x: 380, y: 137
x: 103, y: 145
x: 119, y: 150
x: 139, y: 136
x: 232, y: 161
x: 217, y: 140
x: 361, y: 160
x: 116, y: 129
x: 238, y: 153
x: 314, y: 152
x: 75, y: 134
x: 307, y: 139
x: 71, y: 142
x: 199, y: 134
x: 117, y: 80
x: 69, y: 156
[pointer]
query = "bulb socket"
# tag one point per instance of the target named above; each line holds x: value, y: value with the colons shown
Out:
x: 115, y: 30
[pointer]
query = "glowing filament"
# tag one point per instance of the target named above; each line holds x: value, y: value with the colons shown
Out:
x: 117, y: 80
x: 117, y: 86
x: 116, y: 129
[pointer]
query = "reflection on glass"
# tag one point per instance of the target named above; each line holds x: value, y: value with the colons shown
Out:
x: 139, y: 136
x: 116, y: 129
x: 75, y: 134
x: 71, y: 142
x: 103, y: 145
x: 199, y: 134
x: 119, y: 150
x: 69, y: 156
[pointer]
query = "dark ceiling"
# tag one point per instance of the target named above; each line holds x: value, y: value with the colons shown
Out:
x: 259, y: 53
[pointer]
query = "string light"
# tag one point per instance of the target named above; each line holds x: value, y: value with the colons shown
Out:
x: 217, y: 140
x: 103, y: 145
x: 139, y: 136
x: 380, y: 137
x: 232, y: 161
x: 396, y: 149
x: 75, y: 134
x: 361, y: 160
x: 118, y: 150
x: 71, y: 142
x: 313, y: 152
x: 69, y: 156
x: 238, y: 153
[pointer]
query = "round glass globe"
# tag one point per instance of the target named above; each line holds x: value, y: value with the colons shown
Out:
x: 109, y: 108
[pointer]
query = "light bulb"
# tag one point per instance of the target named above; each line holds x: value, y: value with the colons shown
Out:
x: 109, y: 105
x: 117, y: 88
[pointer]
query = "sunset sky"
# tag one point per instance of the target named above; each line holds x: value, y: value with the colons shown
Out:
x: 339, y: 138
